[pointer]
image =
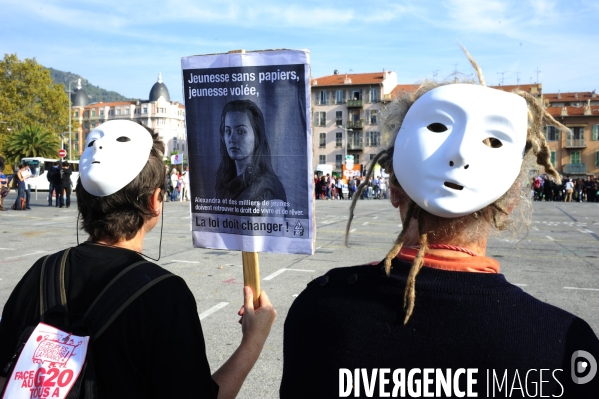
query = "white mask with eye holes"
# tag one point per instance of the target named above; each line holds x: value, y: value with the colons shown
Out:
x: 460, y: 148
x: 115, y: 152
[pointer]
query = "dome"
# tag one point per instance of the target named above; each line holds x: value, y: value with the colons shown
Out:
x: 159, y: 90
x: 79, y: 97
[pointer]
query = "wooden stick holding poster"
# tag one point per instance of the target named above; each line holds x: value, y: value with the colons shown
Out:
x: 250, y: 153
x: 251, y: 274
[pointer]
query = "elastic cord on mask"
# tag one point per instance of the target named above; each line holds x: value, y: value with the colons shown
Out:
x: 139, y: 253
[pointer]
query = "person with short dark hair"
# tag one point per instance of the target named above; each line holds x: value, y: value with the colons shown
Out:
x: 65, y: 185
x: 155, y: 348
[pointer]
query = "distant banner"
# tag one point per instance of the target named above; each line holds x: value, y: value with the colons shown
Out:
x: 177, y: 159
x: 250, y: 150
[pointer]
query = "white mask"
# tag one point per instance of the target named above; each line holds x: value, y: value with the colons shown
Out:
x: 453, y: 172
x: 115, y: 152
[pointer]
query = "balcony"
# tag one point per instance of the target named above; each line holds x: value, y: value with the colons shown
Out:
x: 355, y: 124
x: 575, y: 168
x: 575, y: 143
x: 355, y: 103
x: 355, y: 146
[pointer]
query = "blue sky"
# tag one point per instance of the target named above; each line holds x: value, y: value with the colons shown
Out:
x: 122, y: 45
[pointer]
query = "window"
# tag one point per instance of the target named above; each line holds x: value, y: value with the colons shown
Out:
x: 372, y: 156
x: 111, y: 112
x: 86, y: 124
x: 553, y: 158
x: 338, y: 139
x: 354, y: 115
x: 118, y: 111
x: 127, y: 111
x: 356, y: 159
x: 76, y: 114
x: 93, y: 113
x: 355, y: 140
x: 374, y: 95
x: 161, y: 121
x: 551, y: 133
x: 575, y: 157
x: 145, y: 111
x: 101, y: 112
x: 339, y: 97
x: 373, y: 139
x: 595, y: 135
x: 323, y: 140
x: 320, y: 118
x: 93, y: 125
x: 338, y: 160
x: 322, y: 98
x: 597, y: 158
x: 577, y: 132
x: 322, y: 159
x: 357, y: 95
x: 374, y: 117
x: 183, y: 147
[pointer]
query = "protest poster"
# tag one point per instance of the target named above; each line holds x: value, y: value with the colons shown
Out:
x: 177, y: 159
x: 250, y: 151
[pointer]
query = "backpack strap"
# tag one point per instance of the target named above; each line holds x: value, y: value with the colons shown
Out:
x: 53, y: 296
x: 127, y: 286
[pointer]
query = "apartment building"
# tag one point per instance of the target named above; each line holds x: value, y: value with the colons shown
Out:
x: 346, y: 116
x: 166, y: 117
x: 575, y: 154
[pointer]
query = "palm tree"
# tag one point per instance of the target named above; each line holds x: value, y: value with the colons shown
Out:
x: 31, y: 141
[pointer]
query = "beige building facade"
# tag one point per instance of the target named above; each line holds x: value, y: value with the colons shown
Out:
x: 166, y: 117
x: 346, y: 111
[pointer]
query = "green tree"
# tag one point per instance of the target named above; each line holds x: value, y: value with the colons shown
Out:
x: 31, y: 141
x: 28, y: 97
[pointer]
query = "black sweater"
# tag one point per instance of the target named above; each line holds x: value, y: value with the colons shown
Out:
x: 353, y: 318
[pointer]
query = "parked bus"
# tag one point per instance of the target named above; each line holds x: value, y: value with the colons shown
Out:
x: 39, y: 169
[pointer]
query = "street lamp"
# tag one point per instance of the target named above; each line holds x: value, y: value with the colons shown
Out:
x: 70, y: 111
x: 346, y: 140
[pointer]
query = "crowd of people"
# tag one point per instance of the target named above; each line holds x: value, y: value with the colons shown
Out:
x: 544, y: 188
x: 332, y: 187
x: 177, y: 184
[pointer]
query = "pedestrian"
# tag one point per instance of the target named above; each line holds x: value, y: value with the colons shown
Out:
x: 186, y: 195
x: 65, y: 185
x: 569, y: 189
x: 3, y: 185
x: 175, y: 185
x: 22, y: 201
x: 436, y: 302
x: 155, y: 347
x: 339, y: 186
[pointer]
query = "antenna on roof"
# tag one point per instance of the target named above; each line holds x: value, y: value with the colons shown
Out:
x: 501, y: 83
x: 517, y: 78
x: 538, y: 74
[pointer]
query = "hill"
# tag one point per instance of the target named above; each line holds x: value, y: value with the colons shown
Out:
x: 95, y: 93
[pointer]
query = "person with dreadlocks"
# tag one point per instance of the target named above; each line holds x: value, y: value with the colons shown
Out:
x: 436, y: 302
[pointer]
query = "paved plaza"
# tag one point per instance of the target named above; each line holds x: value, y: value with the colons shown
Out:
x: 557, y: 262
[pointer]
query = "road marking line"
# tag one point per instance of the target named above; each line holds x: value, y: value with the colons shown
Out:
x: 295, y: 295
x: 376, y: 217
x: 184, y: 261
x: 281, y: 271
x: 534, y: 228
x: 352, y: 230
x: 583, y: 289
x: 551, y: 238
x: 275, y: 274
x: 8, y: 249
x: 23, y: 255
x: 585, y: 231
x: 213, y: 309
x: 364, y: 224
x: 522, y: 285
x: 327, y: 222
